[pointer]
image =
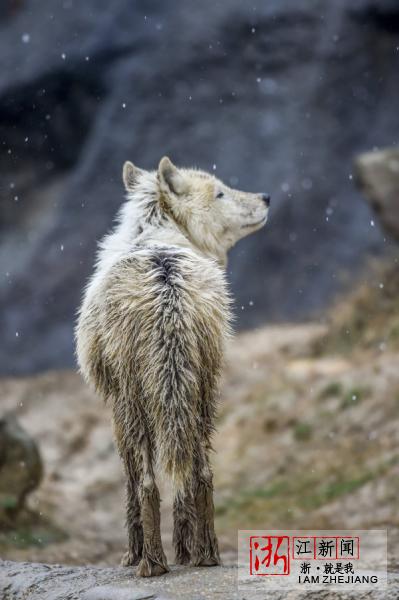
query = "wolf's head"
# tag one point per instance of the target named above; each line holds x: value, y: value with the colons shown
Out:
x: 211, y: 215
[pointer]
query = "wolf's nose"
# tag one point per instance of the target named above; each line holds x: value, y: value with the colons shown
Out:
x: 266, y: 199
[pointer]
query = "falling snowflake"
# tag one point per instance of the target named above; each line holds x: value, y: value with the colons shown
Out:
x: 307, y: 183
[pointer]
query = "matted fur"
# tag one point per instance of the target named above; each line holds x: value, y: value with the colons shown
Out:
x: 151, y: 354
x: 150, y: 338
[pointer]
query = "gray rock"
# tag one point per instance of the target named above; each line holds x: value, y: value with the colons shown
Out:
x: 279, y: 95
x: 21, y: 468
x: 116, y: 592
x: 378, y: 178
x: 19, y: 581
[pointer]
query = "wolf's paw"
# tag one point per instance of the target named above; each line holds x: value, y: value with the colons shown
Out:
x: 129, y: 559
x: 207, y: 561
x: 182, y: 557
x: 149, y: 568
x: 203, y: 558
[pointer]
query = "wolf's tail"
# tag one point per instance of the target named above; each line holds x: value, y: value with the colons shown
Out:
x: 174, y: 377
x: 185, y: 336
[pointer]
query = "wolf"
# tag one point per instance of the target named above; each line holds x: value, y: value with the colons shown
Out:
x: 150, y: 338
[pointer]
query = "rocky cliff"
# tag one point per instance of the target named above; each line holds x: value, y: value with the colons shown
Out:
x: 276, y: 96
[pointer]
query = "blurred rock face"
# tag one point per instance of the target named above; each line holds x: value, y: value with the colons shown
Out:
x: 378, y: 178
x: 274, y: 96
x: 20, y: 468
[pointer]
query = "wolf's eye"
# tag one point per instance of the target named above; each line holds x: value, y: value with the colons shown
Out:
x: 219, y: 195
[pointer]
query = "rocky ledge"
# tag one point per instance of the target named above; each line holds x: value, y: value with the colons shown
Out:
x: 31, y: 581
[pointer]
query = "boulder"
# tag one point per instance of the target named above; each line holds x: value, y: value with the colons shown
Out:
x: 377, y: 174
x: 21, y: 468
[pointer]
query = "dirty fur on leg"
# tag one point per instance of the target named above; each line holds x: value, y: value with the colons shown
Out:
x: 184, y: 519
x: 205, y: 551
x: 133, y: 517
x: 153, y: 560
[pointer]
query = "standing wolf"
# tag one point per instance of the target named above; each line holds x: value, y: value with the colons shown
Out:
x: 150, y: 338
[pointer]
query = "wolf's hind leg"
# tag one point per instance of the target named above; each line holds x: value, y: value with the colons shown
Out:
x: 184, y: 519
x: 205, y: 548
x: 153, y: 561
x: 133, y: 518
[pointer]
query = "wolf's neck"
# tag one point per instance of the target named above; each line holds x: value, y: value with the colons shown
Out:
x: 142, y: 222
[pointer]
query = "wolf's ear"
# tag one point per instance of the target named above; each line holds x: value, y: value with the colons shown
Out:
x: 170, y: 178
x: 130, y: 175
